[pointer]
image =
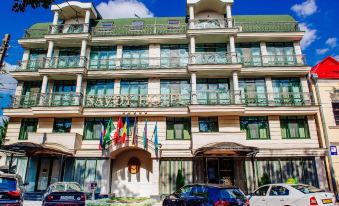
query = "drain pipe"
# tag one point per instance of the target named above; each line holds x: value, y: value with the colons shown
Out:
x: 334, y: 182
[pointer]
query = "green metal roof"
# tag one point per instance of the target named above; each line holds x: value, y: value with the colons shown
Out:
x: 158, y: 26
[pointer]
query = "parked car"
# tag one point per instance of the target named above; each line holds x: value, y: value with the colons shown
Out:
x: 11, y: 190
x: 292, y: 195
x: 64, y: 193
x: 206, y: 195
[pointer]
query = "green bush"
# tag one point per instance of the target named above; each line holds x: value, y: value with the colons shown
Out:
x: 180, y: 181
x: 265, y: 180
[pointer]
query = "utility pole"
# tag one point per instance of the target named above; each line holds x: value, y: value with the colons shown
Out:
x: 3, y: 49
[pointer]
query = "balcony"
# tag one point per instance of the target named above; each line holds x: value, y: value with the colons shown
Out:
x: 211, y: 23
x: 30, y: 65
x: 209, y: 58
x: 60, y: 66
x: 67, y: 142
x: 35, y: 33
x: 68, y: 29
x: 130, y: 30
x: 267, y: 26
x: 272, y: 60
x: 138, y: 101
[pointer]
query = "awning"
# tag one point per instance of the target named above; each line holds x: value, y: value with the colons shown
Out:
x: 32, y: 149
x: 226, y: 149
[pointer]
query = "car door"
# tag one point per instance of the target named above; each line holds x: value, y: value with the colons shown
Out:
x: 180, y: 197
x: 258, y: 198
x: 278, y: 196
x: 199, y: 196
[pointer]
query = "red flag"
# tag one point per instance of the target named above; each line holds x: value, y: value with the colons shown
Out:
x: 117, y: 134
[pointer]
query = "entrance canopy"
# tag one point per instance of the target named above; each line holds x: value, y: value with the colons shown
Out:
x: 226, y: 149
x: 32, y: 149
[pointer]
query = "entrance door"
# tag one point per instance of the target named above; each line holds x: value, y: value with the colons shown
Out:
x: 212, y: 168
x: 48, y: 173
x: 220, y: 171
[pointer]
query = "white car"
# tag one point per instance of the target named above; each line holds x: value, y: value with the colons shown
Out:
x: 290, y: 195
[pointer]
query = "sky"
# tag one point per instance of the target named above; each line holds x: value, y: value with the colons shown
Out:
x: 319, y: 18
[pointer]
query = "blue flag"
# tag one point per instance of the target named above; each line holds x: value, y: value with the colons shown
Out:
x: 155, y: 135
x: 145, y: 135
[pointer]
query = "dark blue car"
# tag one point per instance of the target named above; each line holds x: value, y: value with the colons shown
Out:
x: 64, y: 193
x: 206, y: 195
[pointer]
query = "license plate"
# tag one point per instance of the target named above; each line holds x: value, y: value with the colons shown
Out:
x: 66, y: 197
x: 327, y: 201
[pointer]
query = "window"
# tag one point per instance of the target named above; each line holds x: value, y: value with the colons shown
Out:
x: 67, y: 58
x: 335, y: 107
x: 27, y: 125
x: 208, y: 124
x: 287, y: 91
x: 295, y: 127
x: 213, y: 91
x: 173, y: 24
x: 184, y: 191
x: 262, y: 191
x: 102, y: 58
x: 280, y: 54
x: 62, y: 125
x: 93, y: 127
x: 211, y: 54
x: 135, y: 90
x: 279, y: 191
x: 64, y: 94
x: 175, y: 92
x: 178, y: 128
x: 249, y: 54
x: 253, y: 91
x: 106, y: 26
x: 174, y: 55
x: 30, y: 94
x: 100, y: 87
x: 137, y: 25
x: 36, y: 58
x: 255, y: 127
x: 200, y: 191
x: 135, y: 57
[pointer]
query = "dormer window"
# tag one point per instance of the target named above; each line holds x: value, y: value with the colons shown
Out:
x: 106, y: 26
x: 173, y: 24
x: 137, y: 25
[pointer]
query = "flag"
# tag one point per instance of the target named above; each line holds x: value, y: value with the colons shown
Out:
x: 118, y: 131
x: 155, y: 136
x: 124, y: 131
x: 102, y: 134
x: 109, y: 129
x: 135, y: 131
x: 145, y: 135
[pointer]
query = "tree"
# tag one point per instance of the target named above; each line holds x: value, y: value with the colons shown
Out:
x: 21, y: 5
x: 3, y: 130
x: 180, y: 181
x: 265, y: 180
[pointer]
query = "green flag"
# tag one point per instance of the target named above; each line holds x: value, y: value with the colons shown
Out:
x: 109, y: 129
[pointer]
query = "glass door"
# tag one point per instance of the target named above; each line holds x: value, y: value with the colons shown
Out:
x: 64, y: 93
x: 212, y: 165
x: 43, y: 174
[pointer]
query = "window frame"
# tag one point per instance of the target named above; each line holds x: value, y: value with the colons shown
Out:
x: 285, y: 121
x: 63, y: 122
x: 209, y: 122
x: 172, y: 121
x: 23, y: 135
x: 90, y: 121
x: 335, y: 108
x: 260, y: 120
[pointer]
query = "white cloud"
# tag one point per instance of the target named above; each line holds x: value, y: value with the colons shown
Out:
x: 322, y: 51
x: 332, y: 42
x: 310, y: 35
x: 306, y: 8
x: 336, y: 57
x: 114, y: 9
x: 8, y: 82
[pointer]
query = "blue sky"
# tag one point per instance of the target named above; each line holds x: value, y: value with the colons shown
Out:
x: 319, y: 17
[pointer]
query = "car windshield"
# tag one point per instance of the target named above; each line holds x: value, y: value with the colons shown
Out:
x: 7, y: 183
x: 307, y: 189
x: 227, y: 194
x: 65, y: 187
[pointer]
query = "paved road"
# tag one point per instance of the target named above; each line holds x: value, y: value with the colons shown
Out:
x: 32, y: 203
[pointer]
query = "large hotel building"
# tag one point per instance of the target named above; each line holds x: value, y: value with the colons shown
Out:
x: 229, y: 94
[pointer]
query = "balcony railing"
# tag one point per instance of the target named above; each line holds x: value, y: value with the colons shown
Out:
x: 212, y: 97
x: 35, y: 33
x: 268, y: 26
x: 211, y: 23
x: 66, y: 62
x: 25, y: 101
x: 272, y: 60
x: 138, y: 100
x: 210, y: 58
x: 158, y: 29
x: 138, y: 63
x: 288, y: 99
x: 30, y: 65
x: 68, y: 28
x: 60, y: 99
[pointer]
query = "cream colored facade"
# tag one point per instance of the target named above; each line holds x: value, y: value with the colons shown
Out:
x: 158, y: 170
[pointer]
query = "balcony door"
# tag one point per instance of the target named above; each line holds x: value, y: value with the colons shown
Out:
x: 281, y: 54
x: 175, y: 92
x: 36, y: 58
x: 213, y: 91
x: 69, y: 58
x: 287, y: 91
x: 253, y: 91
x: 64, y: 93
x: 211, y: 54
x: 249, y: 54
x: 134, y: 93
x: 30, y: 94
x: 135, y: 57
x: 103, y: 58
x: 174, y: 55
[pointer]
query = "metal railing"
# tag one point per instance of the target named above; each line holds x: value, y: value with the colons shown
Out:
x: 25, y: 101
x: 286, y: 99
x: 272, y: 60
x: 60, y: 99
x: 212, y: 97
x: 66, y: 62
x: 210, y: 58
x: 138, y: 63
x: 35, y: 33
x: 68, y: 29
x: 211, y: 23
x: 30, y: 65
x: 268, y: 26
x: 130, y: 30
x: 137, y: 100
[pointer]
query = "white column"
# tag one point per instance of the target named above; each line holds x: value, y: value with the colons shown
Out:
x: 50, y: 49
x: 233, y: 52
x: 118, y: 60
x: 55, y: 21
x: 117, y: 86
x: 264, y: 53
x: 194, y: 99
x: 19, y: 88
x: 79, y: 83
x: 191, y: 10
x: 154, y: 55
x: 305, y: 90
x: 44, y: 84
x: 87, y: 19
x: 269, y: 90
x: 229, y: 15
x: 83, y: 53
x: 25, y: 59
x: 192, y: 50
x: 236, y: 87
x: 155, y: 177
x: 298, y: 53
